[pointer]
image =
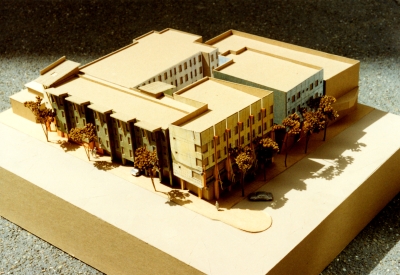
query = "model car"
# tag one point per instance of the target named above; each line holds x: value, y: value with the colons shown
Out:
x: 260, y: 196
x: 135, y: 172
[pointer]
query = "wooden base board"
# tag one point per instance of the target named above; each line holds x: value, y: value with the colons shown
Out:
x: 321, y: 203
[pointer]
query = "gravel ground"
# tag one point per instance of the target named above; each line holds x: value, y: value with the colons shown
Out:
x: 36, y: 33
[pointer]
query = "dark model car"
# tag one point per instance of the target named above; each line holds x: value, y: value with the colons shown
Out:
x: 260, y: 196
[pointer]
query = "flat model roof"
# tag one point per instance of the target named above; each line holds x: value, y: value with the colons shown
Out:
x: 146, y: 57
x: 269, y: 71
x: 235, y: 40
x: 223, y: 101
x: 132, y: 104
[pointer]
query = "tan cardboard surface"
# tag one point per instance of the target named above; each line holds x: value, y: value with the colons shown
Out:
x: 323, y: 191
x: 332, y: 64
x: 276, y: 73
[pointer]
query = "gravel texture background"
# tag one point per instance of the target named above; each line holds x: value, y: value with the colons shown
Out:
x: 35, y: 33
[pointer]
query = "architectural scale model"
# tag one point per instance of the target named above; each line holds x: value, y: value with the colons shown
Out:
x: 189, y: 101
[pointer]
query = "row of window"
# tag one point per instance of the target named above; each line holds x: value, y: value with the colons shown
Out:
x: 298, y: 95
x: 179, y: 67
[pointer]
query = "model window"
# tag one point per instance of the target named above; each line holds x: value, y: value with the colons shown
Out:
x: 129, y: 140
x: 311, y: 86
x: 186, y: 77
x: 248, y: 123
x: 205, y: 161
x: 224, y: 136
x: 107, y: 143
x: 252, y: 120
x: 316, y: 83
x: 154, y: 79
x: 197, y: 148
x: 293, y: 98
x: 248, y: 136
x: 123, y: 151
x: 62, y: 113
x: 97, y: 128
x: 159, y: 78
x: 120, y: 137
x: 191, y: 75
x: 190, y: 63
x: 259, y: 129
x: 172, y: 83
x: 180, y: 68
x: 212, y: 144
x: 212, y: 58
x: 165, y: 76
x: 242, y: 140
x: 74, y: 107
x: 84, y: 122
x: 236, y: 143
x: 298, y: 95
x: 204, y: 148
x: 242, y: 127
x: 194, y: 61
x: 181, y: 80
x: 229, y: 134
x: 225, y: 150
x: 298, y: 108
x: 105, y: 131
x: 199, y: 58
x: 236, y: 130
x: 271, y: 122
x: 174, y: 71
x: 176, y: 83
x: 213, y: 158
x: 170, y: 73
x: 218, y: 140
x: 195, y: 72
x: 293, y: 111
x: 259, y: 116
x: 185, y: 65
x: 198, y: 163
x: 119, y: 124
x: 76, y: 119
x: 130, y: 153
x: 219, y: 154
x: 201, y: 70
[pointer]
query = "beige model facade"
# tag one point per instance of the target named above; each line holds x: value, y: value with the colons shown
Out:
x: 236, y: 114
x: 159, y: 92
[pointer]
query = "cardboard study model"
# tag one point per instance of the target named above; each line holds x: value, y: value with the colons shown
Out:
x: 190, y: 104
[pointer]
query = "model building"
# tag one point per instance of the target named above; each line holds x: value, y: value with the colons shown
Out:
x: 189, y: 101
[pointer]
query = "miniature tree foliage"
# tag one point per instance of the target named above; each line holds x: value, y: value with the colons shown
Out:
x: 292, y: 125
x: 146, y: 161
x: 86, y: 134
x: 245, y: 161
x: 265, y: 149
x: 325, y: 107
x: 42, y: 115
x: 313, y: 122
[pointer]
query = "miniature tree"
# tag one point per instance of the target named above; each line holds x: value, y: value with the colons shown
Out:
x: 292, y: 124
x: 245, y: 161
x: 265, y: 150
x: 313, y: 122
x: 279, y: 134
x: 146, y: 161
x: 42, y: 115
x: 326, y: 109
x: 86, y: 134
